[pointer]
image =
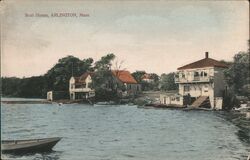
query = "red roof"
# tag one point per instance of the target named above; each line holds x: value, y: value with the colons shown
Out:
x: 124, y: 76
x: 206, y: 62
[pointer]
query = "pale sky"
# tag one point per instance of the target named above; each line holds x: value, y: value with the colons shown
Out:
x: 155, y: 36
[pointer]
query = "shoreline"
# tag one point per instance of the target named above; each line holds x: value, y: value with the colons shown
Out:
x: 241, y: 122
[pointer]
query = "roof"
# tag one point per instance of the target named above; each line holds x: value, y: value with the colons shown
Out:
x: 147, y: 76
x: 124, y: 76
x: 83, y: 77
x: 206, y: 62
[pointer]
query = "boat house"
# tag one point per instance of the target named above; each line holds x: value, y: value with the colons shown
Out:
x: 81, y: 87
x: 201, y: 84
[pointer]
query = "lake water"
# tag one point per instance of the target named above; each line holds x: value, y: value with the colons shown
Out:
x: 123, y: 132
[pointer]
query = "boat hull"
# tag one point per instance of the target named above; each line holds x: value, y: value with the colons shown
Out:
x: 29, y: 146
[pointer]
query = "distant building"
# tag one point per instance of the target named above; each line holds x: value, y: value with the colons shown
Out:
x: 147, y: 78
x: 81, y: 87
x: 50, y: 96
x: 132, y: 87
x: 201, y: 83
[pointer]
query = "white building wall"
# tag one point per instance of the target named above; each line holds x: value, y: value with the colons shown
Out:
x: 50, y: 96
x: 212, y: 85
x: 86, y: 89
x: 71, y: 84
x: 171, y: 99
x: 202, y: 87
x: 88, y: 81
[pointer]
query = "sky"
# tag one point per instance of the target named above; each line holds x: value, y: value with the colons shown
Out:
x: 154, y: 36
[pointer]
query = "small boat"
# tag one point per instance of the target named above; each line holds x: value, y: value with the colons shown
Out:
x: 105, y: 103
x: 29, y: 146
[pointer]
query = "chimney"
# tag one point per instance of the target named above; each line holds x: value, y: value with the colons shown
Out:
x: 206, y: 54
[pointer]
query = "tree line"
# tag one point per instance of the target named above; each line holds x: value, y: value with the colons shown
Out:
x: 57, y: 78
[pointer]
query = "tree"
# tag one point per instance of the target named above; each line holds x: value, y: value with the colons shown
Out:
x: 167, y: 82
x: 32, y: 87
x: 10, y: 86
x: 138, y: 75
x: 147, y: 86
x: 237, y: 76
x: 105, y: 63
x: 103, y: 78
x: 58, y: 77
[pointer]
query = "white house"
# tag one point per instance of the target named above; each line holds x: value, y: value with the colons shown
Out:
x: 80, y: 87
x: 201, y: 83
x: 147, y: 78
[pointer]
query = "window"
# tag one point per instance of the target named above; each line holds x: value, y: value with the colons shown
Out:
x: 183, y: 75
x: 186, y: 88
x: 138, y: 88
x: 177, y: 98
x: 196, y: 74
x: 202, y: 73
x: 206, y: 88
x: 205, y: 74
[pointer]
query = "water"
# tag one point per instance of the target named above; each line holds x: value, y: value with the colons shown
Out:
x: 123, y: 132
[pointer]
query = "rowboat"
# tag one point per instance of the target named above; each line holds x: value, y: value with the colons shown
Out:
x: 105, y: 103
x: 29, y: 146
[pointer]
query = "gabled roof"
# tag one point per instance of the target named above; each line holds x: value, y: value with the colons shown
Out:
x: 124, y: 76
x: 83, y: 77
x: 206, y: 62
x: 147, y: 76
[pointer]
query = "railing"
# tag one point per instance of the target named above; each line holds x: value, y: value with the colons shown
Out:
x: 194, y: 79
x: 81, y: 89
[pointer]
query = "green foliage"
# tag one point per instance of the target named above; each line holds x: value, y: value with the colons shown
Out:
x: 105, y: 63
x: 103, y: 80
x: 229, y: 100
x: 237, y: 76
x: 106, y: 95
x: 32, y: 87
x: 150, y: 86
x: 103, y: 71
x: 138, y: 75
x: 57, y: 78
x: 146, y: 86
x: 155, y: 77
x: 10, y: 86
x: 167, y: 82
